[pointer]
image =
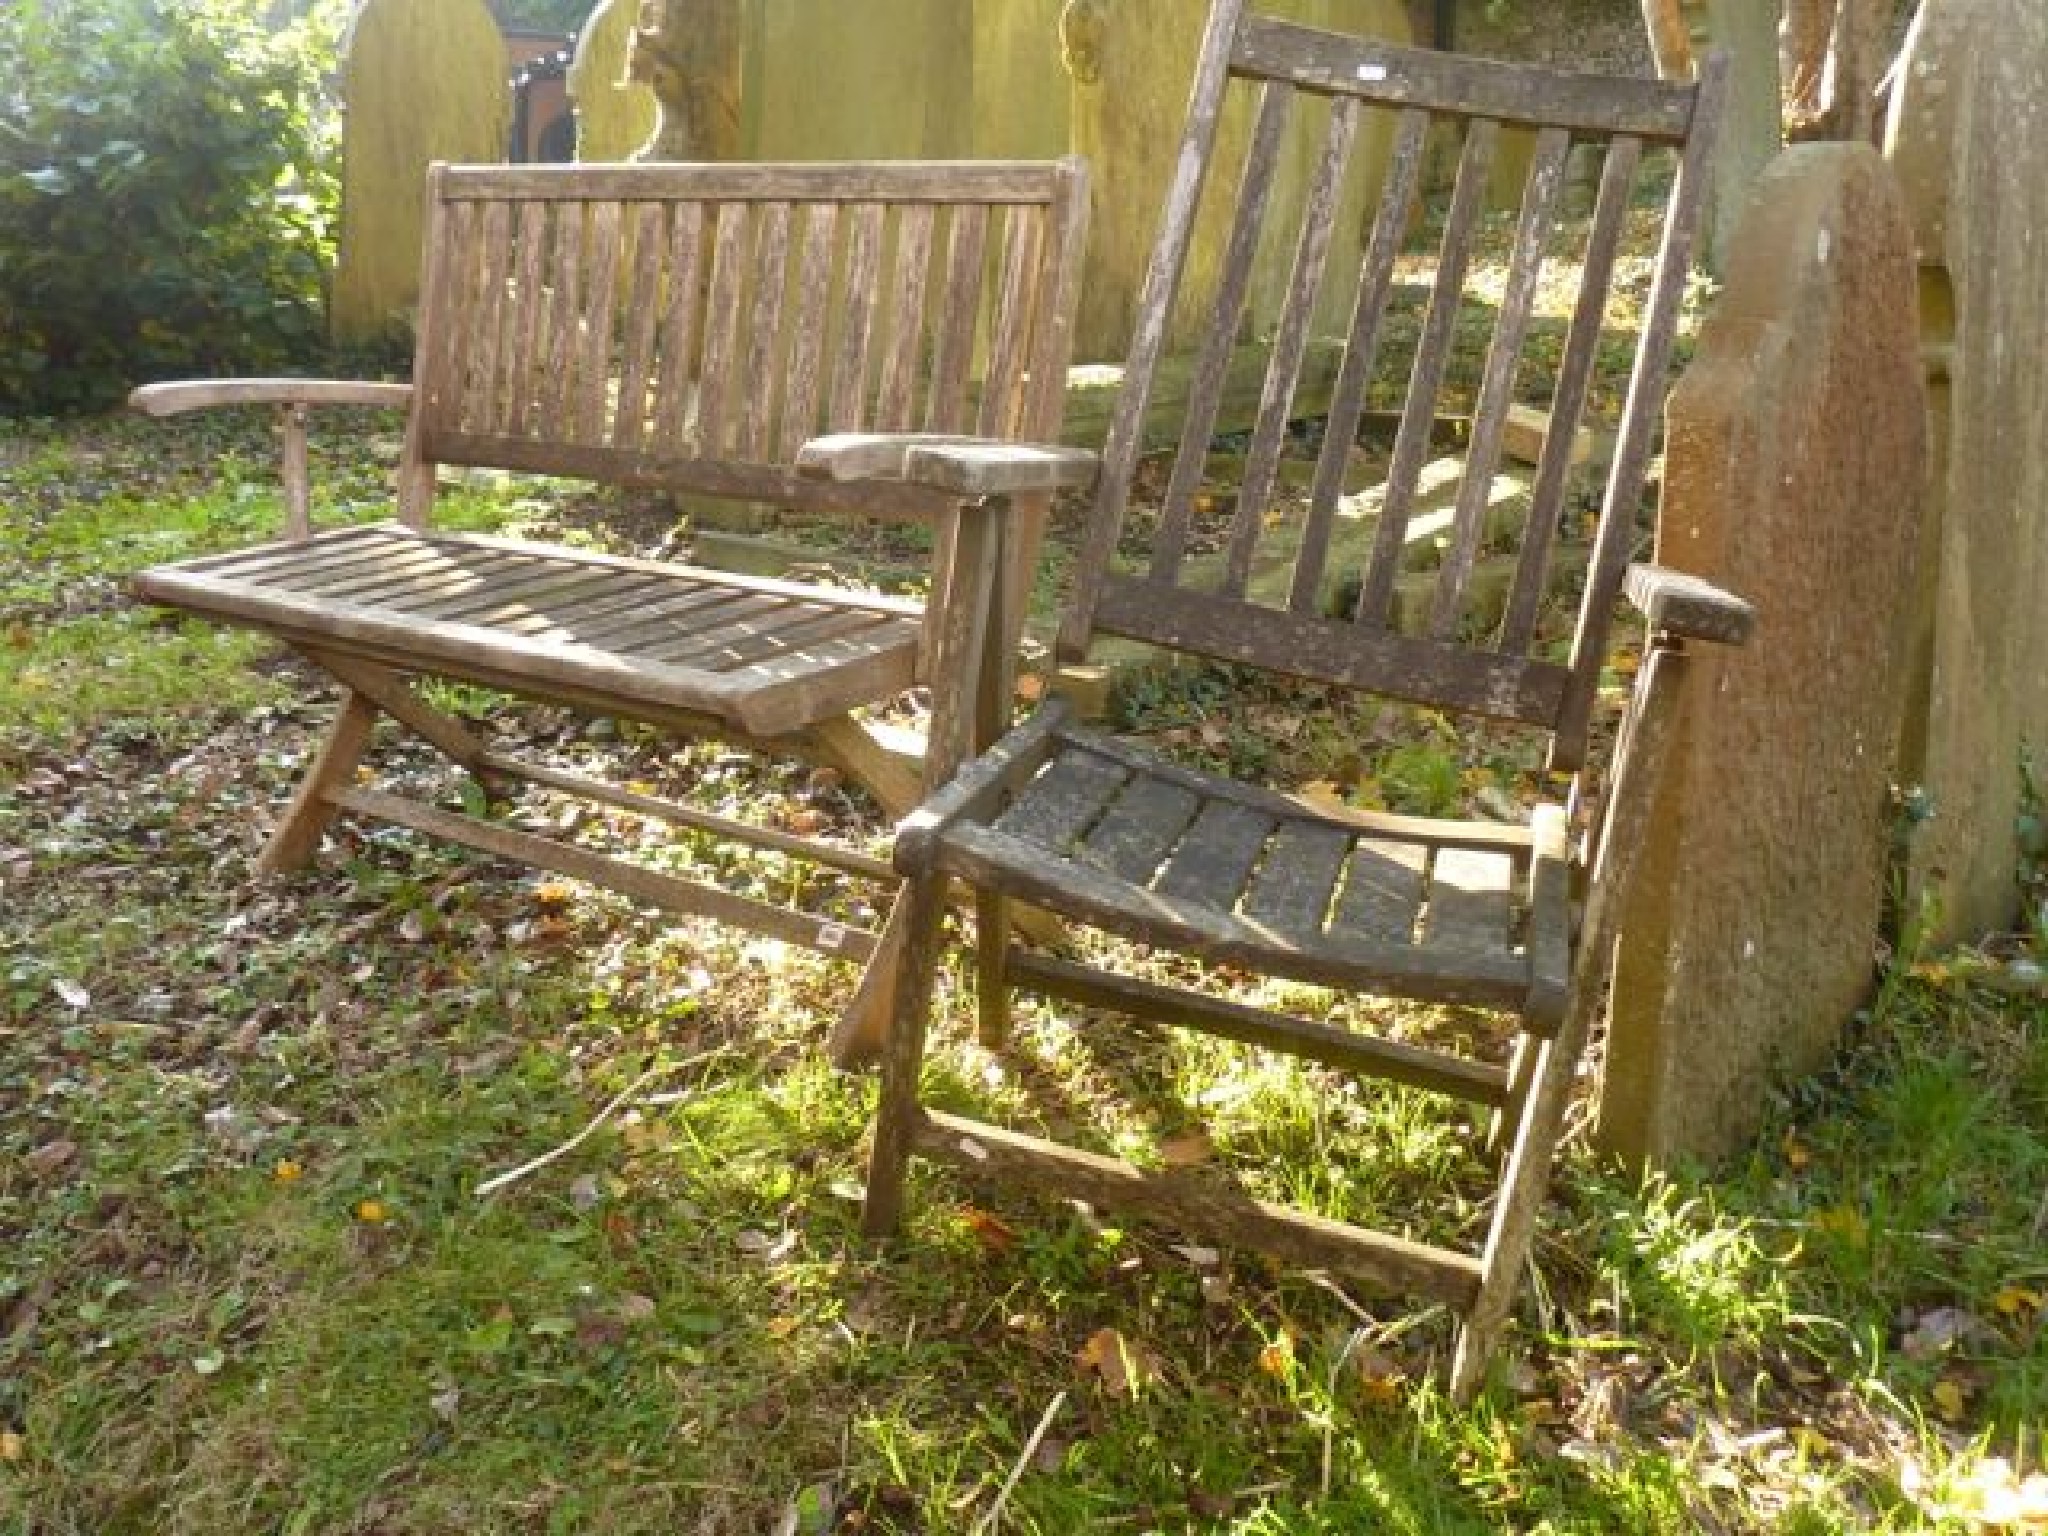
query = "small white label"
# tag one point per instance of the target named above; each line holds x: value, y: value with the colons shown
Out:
x: 971, y: 1148
x: 1372, y: 74
x: 831, y: 935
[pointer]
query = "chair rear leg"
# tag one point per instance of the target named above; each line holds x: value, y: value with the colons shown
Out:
x: 297, y: 837
x: 1500, y: 1130
x: 922, y: 904
x: 992, y: 967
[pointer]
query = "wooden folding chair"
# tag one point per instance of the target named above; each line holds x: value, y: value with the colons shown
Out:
x: 1375, y: 592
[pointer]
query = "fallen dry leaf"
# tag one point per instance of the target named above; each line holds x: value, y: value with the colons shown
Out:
x: 1120, y: 1366
x: 991, y: 1231
x: 1187, y: 1149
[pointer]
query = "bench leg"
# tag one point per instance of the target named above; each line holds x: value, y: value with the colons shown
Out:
x: 396, y: 698
x: 297, y: 837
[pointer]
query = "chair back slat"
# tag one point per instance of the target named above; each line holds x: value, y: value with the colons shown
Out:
x: 1347, y: 397
x: 1290, y: 344
x: 565, y: 314
x: 1205, y: 389
x: 516, y: 390
x: 486, y: 384
x: 1504, y: 354
x: 1574, y: 380
x: 1459, y: 384
x: 1432, y: 355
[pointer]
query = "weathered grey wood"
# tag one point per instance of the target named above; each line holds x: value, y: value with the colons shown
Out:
x: 1687, y: 606
x: 673, y: 390
x: 1062, y: 803
x: 298, y: 832
x: 807, y: 349
x: 629, y: 421
x: 1219, y: 851
x: 594, y: 377
x: 895, y: 404
x: 859, y: 303
x: 862, y: 181
x: 1294, y: 885
x: 1024, y: 241
x: 1568, y: 403
x: 1276, y: 406
x: 1418, y: 1067
x: 1099, y: 832
x: 953, y: 357
x: 485, y: 391
x: 764, y: 333
x: 1411, y: 446
x: 1455, y: 83
x: 1471, y: 902
x: 564, y: 317
x: 1503, y: 355
x: 642, y: 884
x: 1646, y: 387
x: 1199, y: 1205
x: 1382, y: 890
x: 522, y: 384
x: 179, y: 395
x: 1331, y: 651
x: 732, y: 262
x: 1176, y: 511
x: 1136, y: 831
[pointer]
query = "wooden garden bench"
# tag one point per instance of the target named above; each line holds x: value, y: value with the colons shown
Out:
x: 1302, y: 584
x: 679, y: 328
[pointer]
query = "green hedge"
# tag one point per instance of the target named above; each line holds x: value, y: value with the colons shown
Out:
x: 164, y: 208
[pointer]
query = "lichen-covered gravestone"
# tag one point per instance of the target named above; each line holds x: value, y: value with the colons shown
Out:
x: 1795, y: 456
x: 421, y: 80
x: 1969, y: 139
x: 1131, y: 62
x: 615, y: 114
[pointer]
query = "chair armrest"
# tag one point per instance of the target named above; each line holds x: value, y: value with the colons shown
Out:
x: 1688, y: 607
x: 962, y: 466
x: 169, y: 399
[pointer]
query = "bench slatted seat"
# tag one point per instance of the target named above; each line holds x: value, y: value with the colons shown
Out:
x: 1291, y: 577
x: 680, y: 328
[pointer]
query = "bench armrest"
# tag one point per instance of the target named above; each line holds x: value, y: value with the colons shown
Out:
x: 962, y: 466
x: 169, y: 399
x: 1687, y: 606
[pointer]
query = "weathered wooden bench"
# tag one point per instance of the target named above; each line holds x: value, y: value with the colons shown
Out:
x: 683, y: 328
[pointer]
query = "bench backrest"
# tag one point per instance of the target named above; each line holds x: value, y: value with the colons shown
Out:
x: 1418, y: 315
x: 689, y: 326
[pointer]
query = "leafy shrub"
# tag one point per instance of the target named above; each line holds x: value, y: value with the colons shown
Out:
x: 162, y: 206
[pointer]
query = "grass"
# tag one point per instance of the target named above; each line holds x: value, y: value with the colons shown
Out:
x: 247, y: 1283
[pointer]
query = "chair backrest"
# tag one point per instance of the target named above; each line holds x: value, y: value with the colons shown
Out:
x: 1259, y: 572
x: 689, y: 326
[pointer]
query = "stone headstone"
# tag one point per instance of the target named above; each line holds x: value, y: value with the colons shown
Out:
x: 1795, y: 456
x: 1752, y: 128
x: 1968, y: 136
x: 883, y: 79
x: 421, y: 80
x: 1131, y: 63
x: 616, y: 115
x: 1021, y: 106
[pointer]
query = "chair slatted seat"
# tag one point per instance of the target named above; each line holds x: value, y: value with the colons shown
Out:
x: 1440, y: 587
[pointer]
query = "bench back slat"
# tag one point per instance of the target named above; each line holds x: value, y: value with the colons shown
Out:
x: 1440, y: 585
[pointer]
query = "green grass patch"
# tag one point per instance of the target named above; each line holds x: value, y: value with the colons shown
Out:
x: 247, y: 1283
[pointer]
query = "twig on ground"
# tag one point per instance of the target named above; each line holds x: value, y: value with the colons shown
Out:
x: 500, y: 1181
x: 986, y: 1525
